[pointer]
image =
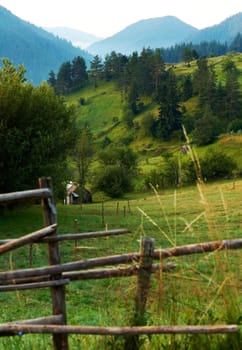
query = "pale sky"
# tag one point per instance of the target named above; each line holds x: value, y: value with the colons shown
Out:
x: 107, y: 17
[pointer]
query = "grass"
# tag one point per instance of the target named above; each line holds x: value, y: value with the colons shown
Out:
x: 102, y: 104
x: 204, y: 289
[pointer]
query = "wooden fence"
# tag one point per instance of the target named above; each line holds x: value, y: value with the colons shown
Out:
x: 57, y: 275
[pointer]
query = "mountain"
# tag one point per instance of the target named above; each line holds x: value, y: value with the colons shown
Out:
x: 77, y: 37
x: 38, y: 50
x: 154, y: 32
x: 222, y: 32
x: 165, y: 32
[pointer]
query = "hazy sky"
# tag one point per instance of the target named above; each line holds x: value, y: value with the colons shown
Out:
x: 106, y: 17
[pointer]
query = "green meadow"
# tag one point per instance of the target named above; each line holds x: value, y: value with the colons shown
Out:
x: 203, y: 289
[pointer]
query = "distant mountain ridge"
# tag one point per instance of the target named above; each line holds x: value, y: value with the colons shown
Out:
x: 37, y: 49
x: 164, y: 32
x: 77, y: 37
x: 154, y: 32
x: 40, y: 51
x: 223, y: 32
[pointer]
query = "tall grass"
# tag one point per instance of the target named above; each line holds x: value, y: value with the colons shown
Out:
x: 208, y: 284
x: 204, y: 289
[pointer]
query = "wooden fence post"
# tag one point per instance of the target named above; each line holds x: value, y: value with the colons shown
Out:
x: 147, y: 246
x: 117, y: 208
x: 75, y: 231
x: 102, y: 213
x: 129, y: 207
x: 60, y: 341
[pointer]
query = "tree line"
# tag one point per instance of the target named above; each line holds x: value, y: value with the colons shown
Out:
x: 145, y: 74
x: 218, y: 109
x: 38, y: 132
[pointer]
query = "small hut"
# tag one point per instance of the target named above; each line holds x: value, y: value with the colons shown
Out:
x: 71, y: 196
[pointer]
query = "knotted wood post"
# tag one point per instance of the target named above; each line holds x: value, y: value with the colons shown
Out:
x: 60, y: 341
x: 147, y: 246
x: 143, y: 279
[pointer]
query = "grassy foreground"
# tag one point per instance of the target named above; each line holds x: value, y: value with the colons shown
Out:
x: 203, y: 289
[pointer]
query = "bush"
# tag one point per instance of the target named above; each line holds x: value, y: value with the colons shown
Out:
x: 113, y: 180
x: 217, y: 164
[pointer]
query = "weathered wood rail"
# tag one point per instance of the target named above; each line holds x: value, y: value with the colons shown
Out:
x: 57, y: 275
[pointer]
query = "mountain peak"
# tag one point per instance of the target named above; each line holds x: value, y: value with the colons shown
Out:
x: 153, y: 32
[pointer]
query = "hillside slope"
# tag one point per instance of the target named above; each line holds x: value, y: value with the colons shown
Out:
x: 103, y: 106
x: 38, y: 50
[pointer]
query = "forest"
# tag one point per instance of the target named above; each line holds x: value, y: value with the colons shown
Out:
x: 146, y: 77
x: 147, y: 74
x: 40, y: 133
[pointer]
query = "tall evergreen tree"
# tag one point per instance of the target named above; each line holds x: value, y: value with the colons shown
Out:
x: 233, y: 106
x: 78, y: 72
x: 52, y: 79
x: 170, y: 116
x: 145, y: 71
x: 64, y: 78
x: 186, y: 88
x: 204, y: 84
x: 96, y: 68
x: 158, y: 67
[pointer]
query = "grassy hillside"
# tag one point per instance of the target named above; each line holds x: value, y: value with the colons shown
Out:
x: 102, y: 108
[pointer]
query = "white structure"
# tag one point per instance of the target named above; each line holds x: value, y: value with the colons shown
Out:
x: 71, y: 195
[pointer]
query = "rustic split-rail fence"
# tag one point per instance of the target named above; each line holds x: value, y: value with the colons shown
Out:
x: 57, y: 275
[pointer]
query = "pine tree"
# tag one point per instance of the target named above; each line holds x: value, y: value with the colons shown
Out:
x: 204, y: 84
x: 64, y: 79
x: 170, y: 116
x: 78, y: 72
x: 233, y: 104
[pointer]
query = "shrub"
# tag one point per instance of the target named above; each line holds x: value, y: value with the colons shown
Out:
x: 113, y: 180
x: 217, y: 164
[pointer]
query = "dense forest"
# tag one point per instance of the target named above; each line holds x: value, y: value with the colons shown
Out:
x: 146, y: 74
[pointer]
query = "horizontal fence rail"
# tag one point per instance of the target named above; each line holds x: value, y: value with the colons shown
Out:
x: 22, y: 195
x: 91, y: 274
x: 34, y: 285
x: 199, y: 248
x: 76, y: 236
x: 59, y: 329
x: 54, y: 320
x: 118, y: 259
x: 30, y: 238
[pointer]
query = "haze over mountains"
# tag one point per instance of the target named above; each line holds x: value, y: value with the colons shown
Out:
x: 165, y: 32
x: 77, y: 37
x: 41, y: 51
x: 154, y: 32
